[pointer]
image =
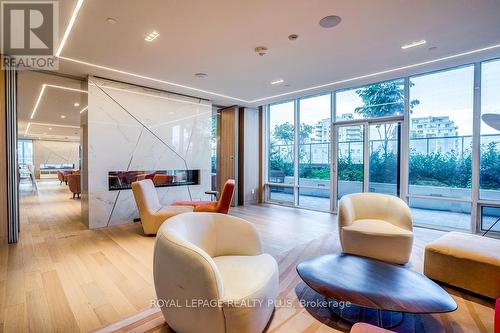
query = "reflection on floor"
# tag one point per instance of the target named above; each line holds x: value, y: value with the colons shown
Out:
x: 63, y: 277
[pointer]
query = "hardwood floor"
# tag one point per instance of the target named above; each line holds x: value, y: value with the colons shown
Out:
x: 63, y: 277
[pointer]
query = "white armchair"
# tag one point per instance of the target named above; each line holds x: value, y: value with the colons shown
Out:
x: 376, y: 225
x: 212, y: 268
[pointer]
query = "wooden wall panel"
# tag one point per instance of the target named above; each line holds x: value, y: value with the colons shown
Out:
x: 3, y: 159
x: 227, y: 150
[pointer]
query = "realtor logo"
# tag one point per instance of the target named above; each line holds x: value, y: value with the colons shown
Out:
x: 29, y: 34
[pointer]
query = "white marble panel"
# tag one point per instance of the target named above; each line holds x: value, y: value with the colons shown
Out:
x: 54, y: 152
x: 133, y: 128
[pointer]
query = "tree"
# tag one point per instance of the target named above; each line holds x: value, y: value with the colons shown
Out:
x: 281, y: 150
x: 383, y: 100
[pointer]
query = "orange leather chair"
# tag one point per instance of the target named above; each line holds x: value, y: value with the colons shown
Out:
x: 74, y: 184
x: 62, y: 175
x: 220, y: 206
x: 160, y: 179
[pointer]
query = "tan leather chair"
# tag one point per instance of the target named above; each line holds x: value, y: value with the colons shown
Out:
x: 74, y: 184
x: 152, y: 213
x: 376, y: 225
x: 212, y: 265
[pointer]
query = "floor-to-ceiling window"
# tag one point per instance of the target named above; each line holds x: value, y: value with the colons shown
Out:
x: 430, y: 139
x: 314, y: 152
x: 489, y: 171
x: 24, y: 152
x: 213, y: 152
x: 281, y: 152
x: 440, y: 148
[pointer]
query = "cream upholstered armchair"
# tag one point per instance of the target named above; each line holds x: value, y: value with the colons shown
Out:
x: 376, y: 225
x: 152, y: 213
x: 211, y: 275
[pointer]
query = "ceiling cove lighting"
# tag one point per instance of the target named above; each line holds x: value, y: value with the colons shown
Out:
x: 488, y: 48
x: 278, y: 81
x: 66, y: 88
x: 388, y: 71
x: 78, y: 6
x: 414, y: 44
x: 152, y: 36
x: 54, y: 125
x: 119, y: 71
x: 38, y: 101
x: 84, y: 109
x: 156, y: 96
x: 27, y: 129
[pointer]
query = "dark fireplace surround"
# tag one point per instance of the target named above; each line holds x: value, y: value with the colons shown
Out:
x: 122, y: 180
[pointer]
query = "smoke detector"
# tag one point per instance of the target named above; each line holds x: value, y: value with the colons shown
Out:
x: 261, y: 50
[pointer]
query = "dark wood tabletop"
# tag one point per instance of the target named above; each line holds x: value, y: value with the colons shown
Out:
x: 374, y: 284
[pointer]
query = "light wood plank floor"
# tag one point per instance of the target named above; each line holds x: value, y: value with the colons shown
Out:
x: 63, y: 277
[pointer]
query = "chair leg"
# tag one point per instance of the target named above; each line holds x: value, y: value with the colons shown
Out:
x: 73, y: 195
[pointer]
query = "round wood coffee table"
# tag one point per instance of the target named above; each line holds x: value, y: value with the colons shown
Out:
x: 389, y: 290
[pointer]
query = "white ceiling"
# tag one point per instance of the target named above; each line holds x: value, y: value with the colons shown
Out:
x: 218, y: 37
x: 56, y: 100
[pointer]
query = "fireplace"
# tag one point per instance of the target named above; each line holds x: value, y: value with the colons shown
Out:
x: 122, y: 180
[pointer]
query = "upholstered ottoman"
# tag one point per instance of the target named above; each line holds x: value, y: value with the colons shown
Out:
x: 466, y: 261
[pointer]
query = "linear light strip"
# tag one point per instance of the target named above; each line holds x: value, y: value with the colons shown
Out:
x: 38, y: 100
x: 72, y: 20
x: 27, y: 129
x: 152, y: 79
x: 66, y: 88
x: 156, y: 96
x: 55, y: 125
x: 84, y: 109
x: 44, y: 86
x: 378, y: 73
x: 414, y: 44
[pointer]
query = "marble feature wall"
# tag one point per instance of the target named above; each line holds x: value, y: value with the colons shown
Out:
x: 54, y: 152
x: 134, y: 128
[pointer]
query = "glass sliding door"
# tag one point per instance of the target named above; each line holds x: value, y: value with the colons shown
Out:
x: 489, y: 162
x: 432, y: 139
x: 384, y: 163
x: 440, y: 148
x: 314, y: 152
x: 350, y: 159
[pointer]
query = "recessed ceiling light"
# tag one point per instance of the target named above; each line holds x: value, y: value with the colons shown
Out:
x: 330, y: 21
x: 413, y: 44
x: 152, y: 36
x: 261, y: 50
x: 50, y: 128
x: 76, y: 104
x: 201, y: 75
x: 111, y: 20
x: 293, y: 37
x: 63, y: 116
x: 278, y: 81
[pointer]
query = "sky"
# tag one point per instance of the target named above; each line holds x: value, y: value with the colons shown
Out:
x: 446, y: 93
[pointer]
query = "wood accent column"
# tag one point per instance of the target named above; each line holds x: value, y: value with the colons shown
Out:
x: 227, y: 150
x: 3, y: 159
